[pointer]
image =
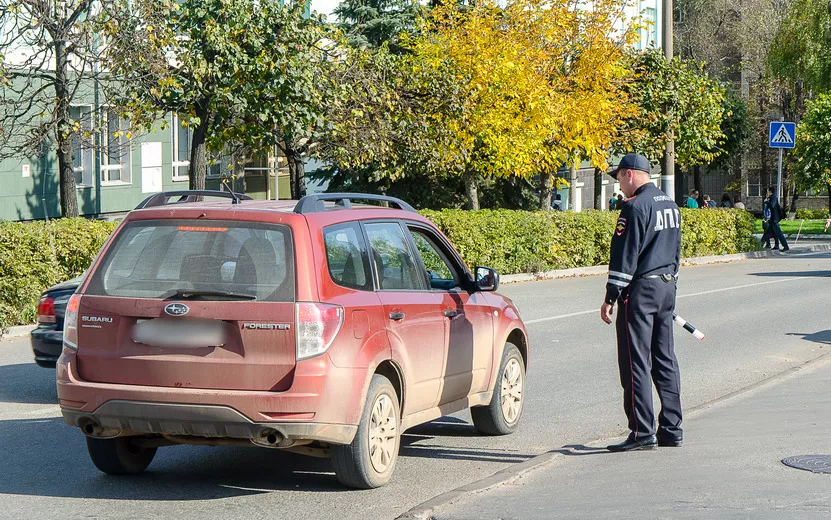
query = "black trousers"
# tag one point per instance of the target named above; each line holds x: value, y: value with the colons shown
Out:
x: 775, y: 232
x: 646, y: 354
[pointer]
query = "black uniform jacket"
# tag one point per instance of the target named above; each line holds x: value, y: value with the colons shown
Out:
x: 646, y: 240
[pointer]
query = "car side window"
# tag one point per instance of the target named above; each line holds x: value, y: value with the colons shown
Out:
x: 346, y: 256
x: 439, y: 269
x: 395, y: 266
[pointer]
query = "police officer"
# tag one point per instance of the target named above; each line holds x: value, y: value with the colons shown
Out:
x: 643, y: 269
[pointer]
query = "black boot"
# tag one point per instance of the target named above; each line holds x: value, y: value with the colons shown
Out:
x: 632, y: 443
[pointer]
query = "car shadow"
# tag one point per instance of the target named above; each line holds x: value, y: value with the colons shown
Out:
x: 415, y: 442
x: 27, y: 383
x: 823, y: 337
x: 45, y: 457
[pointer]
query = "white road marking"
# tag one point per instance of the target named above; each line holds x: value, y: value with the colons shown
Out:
x: 597, y: 311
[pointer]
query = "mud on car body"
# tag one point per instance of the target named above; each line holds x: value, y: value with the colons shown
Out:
x: 319, y: 326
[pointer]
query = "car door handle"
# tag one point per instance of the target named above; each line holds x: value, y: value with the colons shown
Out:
x: 450, y: 313
x: 396, y: 316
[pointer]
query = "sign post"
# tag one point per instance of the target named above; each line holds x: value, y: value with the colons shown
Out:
x: 781, y: 135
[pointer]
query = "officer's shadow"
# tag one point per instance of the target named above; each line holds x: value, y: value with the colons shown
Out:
x: 580, y: 450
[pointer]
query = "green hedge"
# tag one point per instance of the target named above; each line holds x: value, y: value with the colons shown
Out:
x: 812, y: 214
x: 35, y: 255
x: 527, y: 242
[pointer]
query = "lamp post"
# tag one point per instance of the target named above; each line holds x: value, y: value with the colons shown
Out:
x: 668, y: 160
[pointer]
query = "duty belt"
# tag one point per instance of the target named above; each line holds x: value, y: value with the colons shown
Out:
x: 665, y: 277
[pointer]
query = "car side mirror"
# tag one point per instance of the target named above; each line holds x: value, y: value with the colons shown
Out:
x: 486, y: 279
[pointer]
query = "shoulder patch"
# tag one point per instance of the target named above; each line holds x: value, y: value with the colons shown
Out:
x: 621, y: 226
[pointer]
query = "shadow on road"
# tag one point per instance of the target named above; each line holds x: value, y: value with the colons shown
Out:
x: 823, y: 336
x: 45, y: 457
x: 795, y: 274
x: 27, y: 383
x: 580, y: 450
x: 416, y: 443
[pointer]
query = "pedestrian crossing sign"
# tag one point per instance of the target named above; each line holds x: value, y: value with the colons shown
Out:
x: 782, y: 134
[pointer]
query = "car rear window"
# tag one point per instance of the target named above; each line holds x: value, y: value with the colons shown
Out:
x: 198, y: 259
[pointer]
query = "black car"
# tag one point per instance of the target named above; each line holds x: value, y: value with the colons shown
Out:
x: 47, y: 338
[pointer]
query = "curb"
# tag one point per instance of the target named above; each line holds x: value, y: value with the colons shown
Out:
x: 597, y: 270
x: 426, y: 510
x: 17, y: 332
x: 802, y: 236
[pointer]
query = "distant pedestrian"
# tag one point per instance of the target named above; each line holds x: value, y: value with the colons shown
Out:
x: 773, y: 213
x: 708, y: 202
x: 613, y: 202
x: 620, y: 201
x: 725, y: 201
x: 692, y: 200
x: 737, y: 202
x: 643, y: 270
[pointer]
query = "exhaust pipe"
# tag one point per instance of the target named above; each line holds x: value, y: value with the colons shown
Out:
x: 272, y: 439
x: 91, y: 428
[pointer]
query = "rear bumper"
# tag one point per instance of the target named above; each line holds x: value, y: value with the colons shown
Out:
x: 133, y: 417
x: 324, y: 403
x: 47, y: 344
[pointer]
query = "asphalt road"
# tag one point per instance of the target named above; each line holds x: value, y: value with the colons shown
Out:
x: 760, y: 317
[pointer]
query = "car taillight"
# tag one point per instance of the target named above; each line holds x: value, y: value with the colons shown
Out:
x: 317, y: 326
x: 46, y: 310
x: 70, y: 322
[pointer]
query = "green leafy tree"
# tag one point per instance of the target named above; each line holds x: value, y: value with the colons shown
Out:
x: 674, y: 96
x: 813, y: 142
x: 801, y: 50
x: 372, y: 23
x: 237, y: 72
x: 48, y: 50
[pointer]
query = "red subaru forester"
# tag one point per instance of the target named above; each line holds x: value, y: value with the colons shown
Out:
x: 316, y: 326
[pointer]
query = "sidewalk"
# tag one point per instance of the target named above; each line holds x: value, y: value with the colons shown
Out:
x: 729, y: 467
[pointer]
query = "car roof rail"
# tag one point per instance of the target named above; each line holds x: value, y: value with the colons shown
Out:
x: 314, y: 203
x: 163, y: 198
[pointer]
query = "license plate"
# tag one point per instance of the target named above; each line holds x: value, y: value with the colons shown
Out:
x: 179, y: 333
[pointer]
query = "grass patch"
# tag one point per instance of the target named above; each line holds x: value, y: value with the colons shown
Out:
x: 789, y: 227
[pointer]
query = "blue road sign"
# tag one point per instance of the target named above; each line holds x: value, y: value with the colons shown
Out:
x: 782, y: 134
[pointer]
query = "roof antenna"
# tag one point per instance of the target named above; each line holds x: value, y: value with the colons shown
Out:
x: 236, y: 199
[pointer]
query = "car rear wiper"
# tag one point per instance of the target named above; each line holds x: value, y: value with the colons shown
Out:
x: 192, y: 294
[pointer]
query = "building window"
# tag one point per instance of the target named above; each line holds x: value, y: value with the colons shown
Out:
x: 182, y: 137
x: 219, y: 168
x: 81, y: 117
x: 115, y: 155
x: 650, y: 35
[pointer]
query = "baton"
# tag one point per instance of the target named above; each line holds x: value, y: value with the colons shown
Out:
x: 697, y: 334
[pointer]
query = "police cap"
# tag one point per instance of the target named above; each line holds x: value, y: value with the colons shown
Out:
x: 632, y: 161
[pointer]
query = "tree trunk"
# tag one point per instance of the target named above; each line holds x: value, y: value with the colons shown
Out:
x: 545, y: 191
x: 296, y: 171
x: 300, y: 175
x: 471, y: 190
x: 829, y: 196
x: 572, y: 184
x: 198, y: 169
x: 697, y: 184
x: 238, y: 179
x: 598, y: 189
x: 293, y: 187
x: 69, y: 195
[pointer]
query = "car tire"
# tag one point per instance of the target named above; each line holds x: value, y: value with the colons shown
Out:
x: 119, y: 456
x: 501, y: 416
x: 369, y: 461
